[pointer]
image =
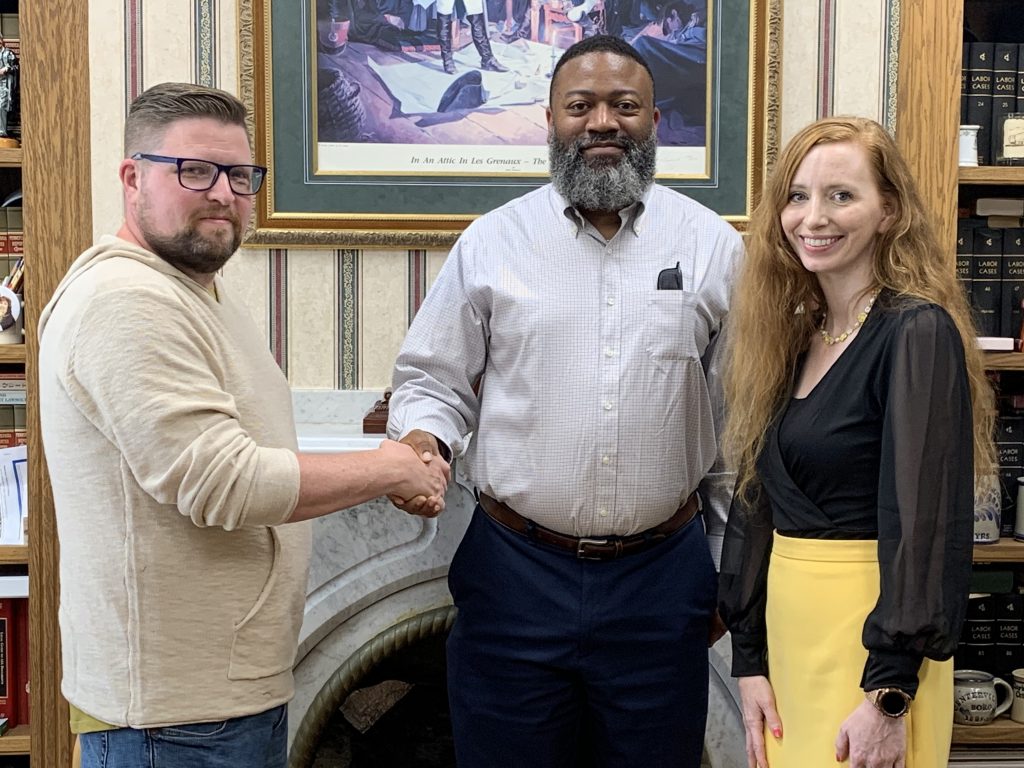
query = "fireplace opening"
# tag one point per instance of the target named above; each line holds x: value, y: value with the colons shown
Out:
x: 397, y: 716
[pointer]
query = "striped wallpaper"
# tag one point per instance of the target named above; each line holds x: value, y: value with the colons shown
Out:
x: 334, y: 319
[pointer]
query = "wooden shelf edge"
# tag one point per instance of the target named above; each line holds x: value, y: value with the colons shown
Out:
x: 10, y: 158
x: 999, y: 732
x: 992, y: 174
x: 1004, y: 361
x: 14, y: 554
x: 16, y: 741
x: 12, y: 353
x: 1006, y: 550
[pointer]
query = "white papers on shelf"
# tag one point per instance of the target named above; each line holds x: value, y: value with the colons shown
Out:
x: 996, y: 343
x: 13, y: 586
x: 13, y: 493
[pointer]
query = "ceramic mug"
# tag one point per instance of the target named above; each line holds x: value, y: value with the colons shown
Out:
x: 968, y: 145
x: 1017, y: 710
x: 976, y: 698
x: 987, y: 510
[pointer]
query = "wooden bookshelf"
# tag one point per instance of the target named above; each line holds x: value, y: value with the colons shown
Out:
x: 55, y: 116
x: 992, y: 174
x: 16, y: 741
x: 1006, y: 550
x: 999, y: 732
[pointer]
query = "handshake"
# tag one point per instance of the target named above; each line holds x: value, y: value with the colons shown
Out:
x: 424, y: 475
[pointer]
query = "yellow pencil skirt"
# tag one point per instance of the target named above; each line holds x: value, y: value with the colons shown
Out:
x: 819, y: 594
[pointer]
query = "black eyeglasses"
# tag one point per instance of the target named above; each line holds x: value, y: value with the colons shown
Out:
x: 201, y: 175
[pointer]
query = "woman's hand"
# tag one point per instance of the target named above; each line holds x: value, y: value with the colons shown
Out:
x: 871, y: 740
x: 759, y: 713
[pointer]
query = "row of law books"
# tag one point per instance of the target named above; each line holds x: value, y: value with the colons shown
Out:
x: 991, y: 86
x: 992, y: 639
x: 990, y: 267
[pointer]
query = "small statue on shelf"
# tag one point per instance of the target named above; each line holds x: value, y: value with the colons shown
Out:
x: 8, y: 84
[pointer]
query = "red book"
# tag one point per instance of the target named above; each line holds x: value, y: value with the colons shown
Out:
x: 15, y: 233
x: 21, y: 659
x: 8, y: 650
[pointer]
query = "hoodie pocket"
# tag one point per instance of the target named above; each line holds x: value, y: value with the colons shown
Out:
x: 264, y: 642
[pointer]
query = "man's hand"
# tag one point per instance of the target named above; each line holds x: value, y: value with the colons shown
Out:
x: 717, y: 629
x: 422, y: 481
x: 425, y: 446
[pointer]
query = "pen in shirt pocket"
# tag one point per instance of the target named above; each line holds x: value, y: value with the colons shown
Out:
x: 670, y: 279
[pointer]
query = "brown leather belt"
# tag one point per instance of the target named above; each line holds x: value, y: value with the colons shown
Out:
x: 590, y: 548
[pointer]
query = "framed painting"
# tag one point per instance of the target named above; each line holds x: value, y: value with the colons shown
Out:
x: 391, y: 123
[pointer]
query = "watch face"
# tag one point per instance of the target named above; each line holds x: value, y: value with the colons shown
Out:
x: 893, y: 703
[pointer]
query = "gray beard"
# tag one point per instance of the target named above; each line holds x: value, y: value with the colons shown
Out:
x: 603, y: 185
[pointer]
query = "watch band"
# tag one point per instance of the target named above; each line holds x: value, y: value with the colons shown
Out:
x: 891, y: 702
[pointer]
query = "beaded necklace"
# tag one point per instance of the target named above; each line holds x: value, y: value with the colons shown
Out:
x: 861, y: 317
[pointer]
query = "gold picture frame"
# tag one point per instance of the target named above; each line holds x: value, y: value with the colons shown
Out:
x: 319, y: 194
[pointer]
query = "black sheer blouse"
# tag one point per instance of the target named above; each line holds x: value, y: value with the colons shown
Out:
x: 881, y: 448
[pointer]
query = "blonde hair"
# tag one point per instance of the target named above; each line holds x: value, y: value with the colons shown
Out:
x: 775, y: 310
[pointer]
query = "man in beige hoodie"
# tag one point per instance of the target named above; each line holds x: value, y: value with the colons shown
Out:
x: 179, y: 491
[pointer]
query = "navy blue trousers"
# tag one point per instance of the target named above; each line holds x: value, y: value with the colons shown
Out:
x: 548, y: 652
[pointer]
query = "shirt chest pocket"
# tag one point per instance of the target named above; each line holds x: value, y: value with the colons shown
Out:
x: 675, y: 328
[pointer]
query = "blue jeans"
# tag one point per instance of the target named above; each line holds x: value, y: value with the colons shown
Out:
x: 256, y: 741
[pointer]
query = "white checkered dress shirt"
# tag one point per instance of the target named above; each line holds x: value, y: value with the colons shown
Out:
x: 600, y: 402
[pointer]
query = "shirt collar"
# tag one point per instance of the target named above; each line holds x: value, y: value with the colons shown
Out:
x: 632, y: 215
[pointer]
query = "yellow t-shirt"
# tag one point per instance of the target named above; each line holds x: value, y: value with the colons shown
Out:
x: 83, y: 723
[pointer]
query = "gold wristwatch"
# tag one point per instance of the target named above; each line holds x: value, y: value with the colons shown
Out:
x: 891, y: 702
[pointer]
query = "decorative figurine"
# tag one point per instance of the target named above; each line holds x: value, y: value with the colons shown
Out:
x: 8, y: 83
x: 375, y: 422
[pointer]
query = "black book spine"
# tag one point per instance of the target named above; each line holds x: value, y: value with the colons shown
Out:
x: 1008, y: 634
x: 1012, y: 283
x: 1004, y: 92
x: 1008, y: 499
x: 979, y: 634
x: 979, y: 103
x: 1010, y: 460
x: 1020, y: 77
x: 964, y: 246
x: 964, y: 80
x: 985, y: 277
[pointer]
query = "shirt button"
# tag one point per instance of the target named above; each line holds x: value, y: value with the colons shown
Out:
x: 609, y: 352
x: 603, y: 513
x: 611, y: 300
x: 607, y: 405
x: 606, y: 459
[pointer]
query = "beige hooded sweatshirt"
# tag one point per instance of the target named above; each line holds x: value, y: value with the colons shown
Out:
x: 170, y: 440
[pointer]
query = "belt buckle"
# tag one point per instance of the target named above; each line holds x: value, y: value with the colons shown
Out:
x: 581, y: 543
